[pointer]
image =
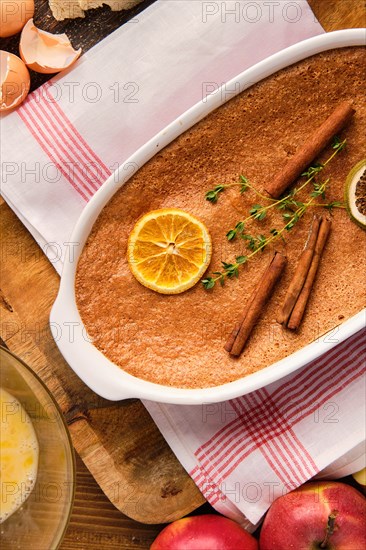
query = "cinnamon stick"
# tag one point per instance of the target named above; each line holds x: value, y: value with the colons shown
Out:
x: 230, y: 342
x: 255, y: 305
x: 303, y: 158
x: 300, y: 274
x: 300, y: 306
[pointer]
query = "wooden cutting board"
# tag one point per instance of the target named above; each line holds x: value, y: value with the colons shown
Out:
x: 118, y: 442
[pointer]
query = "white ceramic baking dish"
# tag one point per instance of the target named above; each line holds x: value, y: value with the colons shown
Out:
x: 98, y: 372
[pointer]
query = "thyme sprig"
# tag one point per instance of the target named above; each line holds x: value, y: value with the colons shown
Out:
x: 231, y: 270
x: 293, y: 210
x: 289, y: 202
x: 243, y: 184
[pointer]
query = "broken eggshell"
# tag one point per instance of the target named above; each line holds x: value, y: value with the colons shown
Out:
x: 45, y: 52
x: 14, y: 81
x: 13, y: 16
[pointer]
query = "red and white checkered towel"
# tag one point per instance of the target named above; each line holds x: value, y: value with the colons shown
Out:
x: 246, y: 452
x: 69, y: 135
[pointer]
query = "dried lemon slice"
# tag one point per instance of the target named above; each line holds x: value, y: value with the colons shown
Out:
x: 360, y: 477
x: 169, y: 250
x: 355, y: 194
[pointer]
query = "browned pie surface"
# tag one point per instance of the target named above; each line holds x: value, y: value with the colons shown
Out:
x: 178, y: 340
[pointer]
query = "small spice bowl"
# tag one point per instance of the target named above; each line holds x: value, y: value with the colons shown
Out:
x: 40, y: 522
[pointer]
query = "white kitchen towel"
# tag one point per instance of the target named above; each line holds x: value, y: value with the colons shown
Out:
x: 70, y: 134
x: 246, y: 452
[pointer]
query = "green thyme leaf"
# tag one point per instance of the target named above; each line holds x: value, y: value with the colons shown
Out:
x: 292, y: 210
x: 319, y: 190
x: 258, y: 212
x: 312, y: 170
x: 334, y: 204
x: 213, y: 195
x: 231, y: 270
x: 261, y: 242
x: 231, y: 234
x: 338, y: 145
x: 293, y: 221
x: 244, y: 184
x: 208, y: 283
x: 287, y: 216
x: 250, y: 241
x: 239, y: 228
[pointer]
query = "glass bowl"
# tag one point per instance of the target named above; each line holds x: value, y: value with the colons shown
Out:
x: 41, y: 521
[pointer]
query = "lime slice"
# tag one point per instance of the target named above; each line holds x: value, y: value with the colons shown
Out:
x: 360, y: 477
x: 356, y: 194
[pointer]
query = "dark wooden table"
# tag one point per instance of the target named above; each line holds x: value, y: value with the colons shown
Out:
x: 95, y: 523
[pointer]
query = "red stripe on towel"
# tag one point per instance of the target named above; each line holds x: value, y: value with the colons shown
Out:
x: 231, y: 457
x: 207, y: 486
x: 45, y: 144
x: 65, y: 155
x: 67, y: 150
x: 254, y: 413
x: 62, y: 143
x: 287, y: 393
x: 266, y: 422
x: 76, y: 138
x: 273, y: 452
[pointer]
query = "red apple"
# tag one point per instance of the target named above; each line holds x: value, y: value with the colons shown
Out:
x: 206, y: 532
x: 328, y: 515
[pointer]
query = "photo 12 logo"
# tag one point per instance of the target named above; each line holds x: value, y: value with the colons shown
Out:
x: 252, y: 12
